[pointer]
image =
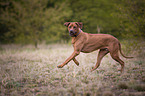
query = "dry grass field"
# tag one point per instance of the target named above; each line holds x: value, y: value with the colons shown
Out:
x: 26, y: 71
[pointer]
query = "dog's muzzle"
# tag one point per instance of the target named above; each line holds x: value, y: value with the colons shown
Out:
x: 72, y: 33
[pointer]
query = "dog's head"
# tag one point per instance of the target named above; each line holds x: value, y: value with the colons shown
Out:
x: 74, y: 28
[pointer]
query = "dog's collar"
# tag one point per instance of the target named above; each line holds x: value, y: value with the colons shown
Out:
x: 77, y: 34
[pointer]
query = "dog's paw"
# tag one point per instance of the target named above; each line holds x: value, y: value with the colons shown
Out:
x: 59, y: 66
x: 92, y: 70
x: 77, y: 64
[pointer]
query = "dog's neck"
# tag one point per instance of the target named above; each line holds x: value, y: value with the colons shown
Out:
x: 78, y: 33
x: 74, y: 39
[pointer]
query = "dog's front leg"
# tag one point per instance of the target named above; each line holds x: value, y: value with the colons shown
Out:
x: 77, y: 63
x: 72, y: 57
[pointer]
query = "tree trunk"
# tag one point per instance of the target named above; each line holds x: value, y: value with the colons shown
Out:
x: 36, y: 44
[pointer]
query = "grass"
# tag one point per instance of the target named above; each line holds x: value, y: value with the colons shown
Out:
x: 25, y: 71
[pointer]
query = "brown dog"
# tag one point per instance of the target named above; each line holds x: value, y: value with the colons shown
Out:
x: 85, y: 42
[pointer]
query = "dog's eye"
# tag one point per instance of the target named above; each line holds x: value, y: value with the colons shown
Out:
x: 75, y: 27
x: 69, y: 26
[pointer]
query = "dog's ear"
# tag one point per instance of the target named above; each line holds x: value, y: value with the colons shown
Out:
x: 66, y: 23
x: 80, y: 24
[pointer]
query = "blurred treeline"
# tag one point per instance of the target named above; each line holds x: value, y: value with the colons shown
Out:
x: 37, y: 21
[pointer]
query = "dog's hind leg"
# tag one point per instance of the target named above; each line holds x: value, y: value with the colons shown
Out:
x: 115, y: 55
x: 76, y: 62
x: 116, y: 58
x: 101, y: 54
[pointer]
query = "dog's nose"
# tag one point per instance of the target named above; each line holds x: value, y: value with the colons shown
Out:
x: 71, y: 31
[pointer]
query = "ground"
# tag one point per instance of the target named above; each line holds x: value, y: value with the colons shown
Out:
x: 26, y: 71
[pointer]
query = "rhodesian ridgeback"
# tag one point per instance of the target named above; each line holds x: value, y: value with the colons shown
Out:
x: 86, y: 43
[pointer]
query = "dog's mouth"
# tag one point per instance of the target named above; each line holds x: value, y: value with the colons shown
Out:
x: 72, y: 33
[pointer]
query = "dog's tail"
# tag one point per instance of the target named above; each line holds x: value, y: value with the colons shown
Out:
x: 122, y: 53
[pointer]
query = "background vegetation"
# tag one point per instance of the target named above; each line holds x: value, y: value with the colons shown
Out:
x: 36, y: 21
x: 27, y: 71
